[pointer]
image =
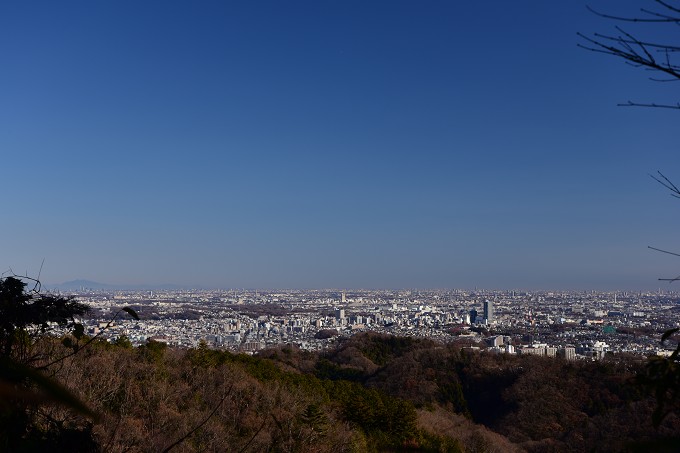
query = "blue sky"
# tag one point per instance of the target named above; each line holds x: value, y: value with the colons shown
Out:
x: 344, y: 144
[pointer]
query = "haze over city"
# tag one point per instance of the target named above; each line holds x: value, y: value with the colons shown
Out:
x: 331, y: 145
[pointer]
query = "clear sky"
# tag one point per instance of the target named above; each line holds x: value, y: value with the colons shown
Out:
x: 345, y: 144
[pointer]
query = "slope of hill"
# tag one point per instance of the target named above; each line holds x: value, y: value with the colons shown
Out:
x: 371, y: 393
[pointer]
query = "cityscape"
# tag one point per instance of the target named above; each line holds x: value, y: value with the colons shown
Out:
x: 577, y: 325
x: 340, y: 227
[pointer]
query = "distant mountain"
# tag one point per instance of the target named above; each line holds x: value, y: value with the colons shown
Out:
x: 79, y: 284
x: 75, y: 285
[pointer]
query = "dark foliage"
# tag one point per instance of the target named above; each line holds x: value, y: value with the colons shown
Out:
x: 661, y: 376
x: 544, y: 404
x: 326, y: 333
x: 422, y: 397
x: 25, y: 315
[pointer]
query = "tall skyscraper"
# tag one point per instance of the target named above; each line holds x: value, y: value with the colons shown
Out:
x: 473, y: 316
x: 488, y: 311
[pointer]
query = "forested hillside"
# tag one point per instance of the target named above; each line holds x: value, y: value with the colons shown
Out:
x: 371, y: 393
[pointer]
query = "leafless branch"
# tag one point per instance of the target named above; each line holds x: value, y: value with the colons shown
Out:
x: 663, y: 251
x: 671, y: 7
x: 656, y: 16
x: 197, y: 427
x: 667, y: 184
x: 675, y: 191
x: 37, y: 286
x: 41, y: 267
x: 642, y: 53
x: 264, y: 422
x: 632, y: 51
x: 87, y: 343
x: 662, y: 106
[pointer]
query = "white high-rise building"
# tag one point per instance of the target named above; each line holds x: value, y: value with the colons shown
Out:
x: 488, y: 311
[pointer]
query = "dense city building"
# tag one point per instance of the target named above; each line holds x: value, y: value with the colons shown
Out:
x: 586, y: 325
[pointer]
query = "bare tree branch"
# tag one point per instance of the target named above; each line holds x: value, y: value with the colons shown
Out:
x: 662, y: 106
x: 663, y: 251
x: 660, y: 17
x: 197, y: 427
x: 88, y: 342
x: 641, y: 53
x: 675, y: 192
x: 667, y: 184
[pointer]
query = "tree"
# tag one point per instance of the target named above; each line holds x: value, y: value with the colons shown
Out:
x: 27, y: 315
x: 24, y: 317
x: 675, y: 192
x: 658, y: 56
x: 123, y: 342
x: 27, y: 384
x: 661, y: 374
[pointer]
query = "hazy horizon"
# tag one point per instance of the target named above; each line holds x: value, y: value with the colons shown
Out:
x: 332, y: 145
x: 168, y: 286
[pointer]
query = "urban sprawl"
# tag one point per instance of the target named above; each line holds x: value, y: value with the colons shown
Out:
x: 575, y: 325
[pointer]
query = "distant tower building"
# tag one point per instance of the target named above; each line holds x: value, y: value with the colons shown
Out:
x: 473, y: 316
x: 344, y: 297
x: 488, y: 311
